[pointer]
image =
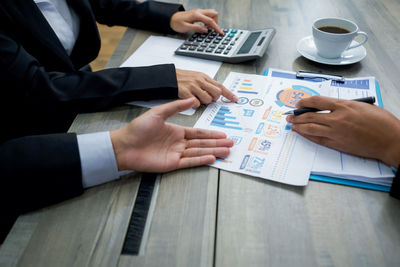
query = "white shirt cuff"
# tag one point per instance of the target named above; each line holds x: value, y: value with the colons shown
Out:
x: 98, y: 161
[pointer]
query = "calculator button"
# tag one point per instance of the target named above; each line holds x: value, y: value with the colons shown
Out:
x: 225, y: 30
x: 184, y: 47
x: 203, y: 45
x: 216, y: 41
x: 229, y: 47
x: 195, y: 35
x: 203, y: 35
x: 234, y: 31
x: 207, y: 40
x: 225, y: 42
x: 201, y: 49
x: 209, y: 50
x: 228, y: 38
x: 232, y: 43
x: 192, y: 48
x: 226, y: 52
x: 199, y: 39
x: 213, y: 46
x: 219, y: 38
x: 218, y: 51
x: 221, y: 46
x: 231, y: 35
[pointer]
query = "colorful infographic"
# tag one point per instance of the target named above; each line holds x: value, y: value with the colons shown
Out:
x: 290, y: 96
x: 264, y: 145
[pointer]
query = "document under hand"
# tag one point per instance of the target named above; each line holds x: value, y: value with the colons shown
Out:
x: 161, y: 50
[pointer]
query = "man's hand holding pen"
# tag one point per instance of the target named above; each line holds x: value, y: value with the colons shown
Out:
x: 349, y: 126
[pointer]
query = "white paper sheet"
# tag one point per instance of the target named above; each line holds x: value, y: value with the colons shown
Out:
x: 160, y: 50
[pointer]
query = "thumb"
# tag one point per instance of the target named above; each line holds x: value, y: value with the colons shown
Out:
x: 167, y: 110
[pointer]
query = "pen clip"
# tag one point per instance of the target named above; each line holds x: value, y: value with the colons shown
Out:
x: 313, y: 75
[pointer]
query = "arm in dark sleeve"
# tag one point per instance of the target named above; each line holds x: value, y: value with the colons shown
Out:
x: 37, y: 171
x: 395, y: 189
x: 24, y: 79
x: 149, y: 15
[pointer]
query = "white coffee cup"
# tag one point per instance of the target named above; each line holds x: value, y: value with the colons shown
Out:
x: 332, y: 45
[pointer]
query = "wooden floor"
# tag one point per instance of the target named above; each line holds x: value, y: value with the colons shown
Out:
x: 110, y: 36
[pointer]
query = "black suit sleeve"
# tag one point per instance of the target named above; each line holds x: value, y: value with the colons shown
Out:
x: 395, y: 189
x: 37, y: 171
x: 25, y: 80
x: 149, y: 15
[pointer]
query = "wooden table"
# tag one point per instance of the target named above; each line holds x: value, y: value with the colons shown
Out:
x: 207, y: 217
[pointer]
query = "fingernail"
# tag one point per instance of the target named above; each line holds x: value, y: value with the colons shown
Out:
x: 235, y: 99
x: 289, y: 118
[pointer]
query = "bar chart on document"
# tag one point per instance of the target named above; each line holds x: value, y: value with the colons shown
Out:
x: 264, y: 145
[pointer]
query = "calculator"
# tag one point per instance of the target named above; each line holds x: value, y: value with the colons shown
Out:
x: 233, y: 46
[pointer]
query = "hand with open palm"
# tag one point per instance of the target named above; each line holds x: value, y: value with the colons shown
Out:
x: 150, y: 144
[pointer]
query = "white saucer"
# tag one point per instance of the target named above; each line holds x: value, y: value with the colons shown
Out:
x: 306, y: 48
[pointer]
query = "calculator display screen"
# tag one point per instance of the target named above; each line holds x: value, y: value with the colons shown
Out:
x: 249, y: 43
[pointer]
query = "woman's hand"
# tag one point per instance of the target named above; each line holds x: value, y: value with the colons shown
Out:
x: 184, y: 21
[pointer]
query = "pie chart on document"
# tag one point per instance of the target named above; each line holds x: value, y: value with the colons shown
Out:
x: 307, y: 49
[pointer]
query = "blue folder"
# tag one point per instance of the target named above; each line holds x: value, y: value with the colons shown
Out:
x: 335, y: 180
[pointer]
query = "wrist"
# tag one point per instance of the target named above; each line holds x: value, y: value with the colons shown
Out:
x: 393, y: 148
x: 118, y: 145
x: 172, y: 22
x: 393, y: 157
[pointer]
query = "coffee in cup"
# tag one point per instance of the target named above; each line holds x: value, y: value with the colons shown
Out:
x: 332, y: 36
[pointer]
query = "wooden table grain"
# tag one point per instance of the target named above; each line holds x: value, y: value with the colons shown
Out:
x: 208, y: 217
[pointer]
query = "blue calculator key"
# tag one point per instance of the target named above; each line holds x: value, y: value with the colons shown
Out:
x: 231, y: 35
x: 234, y: 31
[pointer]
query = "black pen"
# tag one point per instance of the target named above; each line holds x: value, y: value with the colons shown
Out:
x: 369, y: 100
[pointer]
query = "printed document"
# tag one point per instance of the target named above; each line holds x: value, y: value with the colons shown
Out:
x: 264, y: 146
x: 329, y: 162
